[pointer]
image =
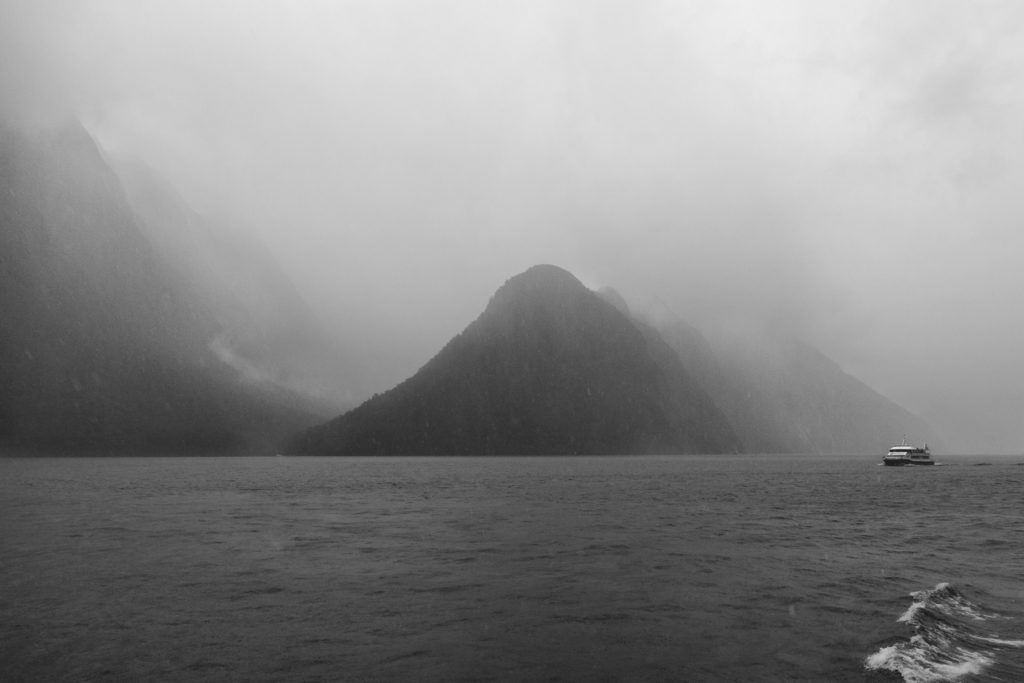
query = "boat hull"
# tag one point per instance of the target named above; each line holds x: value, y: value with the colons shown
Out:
x: 905, y: 463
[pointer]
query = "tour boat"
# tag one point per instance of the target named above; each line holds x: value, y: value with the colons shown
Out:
x: 905, y: 454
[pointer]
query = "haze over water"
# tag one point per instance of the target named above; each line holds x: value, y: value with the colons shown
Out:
x: 640, y: 568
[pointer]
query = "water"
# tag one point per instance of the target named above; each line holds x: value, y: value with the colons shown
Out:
x: 445, y: 569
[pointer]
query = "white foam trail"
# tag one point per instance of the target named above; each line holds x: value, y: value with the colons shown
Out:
x: 881, y: 659
x: 952, y: 602
x: 908, y: 616
x: 972, y: 666
x: 936, y: 657
x: 911, y: 662
x: 1000, y: 641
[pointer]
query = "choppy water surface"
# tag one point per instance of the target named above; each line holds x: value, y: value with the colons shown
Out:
x: 689, y: 568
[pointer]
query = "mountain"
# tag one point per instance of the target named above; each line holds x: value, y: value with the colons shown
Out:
x: 549, y: 367
x: 131, y: 323
x: 265, y: 330
x: 106, y: 345
x: 783, y: 396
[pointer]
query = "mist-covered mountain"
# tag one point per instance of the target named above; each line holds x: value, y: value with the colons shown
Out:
x: 132, y: 323
x: 549, y: 367
x: 112, y: 340
x: 783, y: 396
x: 266, y: 331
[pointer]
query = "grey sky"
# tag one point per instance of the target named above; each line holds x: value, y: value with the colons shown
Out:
x: 848, y: 170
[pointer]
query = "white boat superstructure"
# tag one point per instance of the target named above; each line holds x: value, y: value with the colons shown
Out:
x: 905, y: 454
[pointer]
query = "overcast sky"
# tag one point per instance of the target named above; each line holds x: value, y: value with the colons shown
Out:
x: 850, y: 171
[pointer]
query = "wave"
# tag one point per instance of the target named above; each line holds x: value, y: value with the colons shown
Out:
x: 953, y: 638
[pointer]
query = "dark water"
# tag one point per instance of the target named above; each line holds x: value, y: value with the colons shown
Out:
x: 649, y: 569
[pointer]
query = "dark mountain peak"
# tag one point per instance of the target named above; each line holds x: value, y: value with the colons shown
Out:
x: 543, y: 276
x: 542, y: 284
x: 548, y: 368
x: 546, y: 310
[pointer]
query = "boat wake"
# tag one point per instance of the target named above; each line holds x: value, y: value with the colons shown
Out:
x: 953, y: 639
